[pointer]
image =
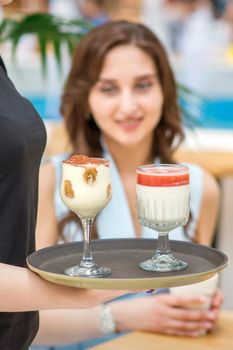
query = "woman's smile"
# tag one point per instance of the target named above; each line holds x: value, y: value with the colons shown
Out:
x: 130, y: 124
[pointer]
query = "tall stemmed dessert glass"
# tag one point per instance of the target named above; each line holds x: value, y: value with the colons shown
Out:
x: 163, y: 204
x: 86, y: 189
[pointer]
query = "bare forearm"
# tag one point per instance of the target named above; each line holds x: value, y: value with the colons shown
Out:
x: 23, y: 290
x: 59, y: 327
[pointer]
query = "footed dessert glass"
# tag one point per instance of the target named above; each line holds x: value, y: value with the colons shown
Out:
x: 86, y: 189
x: 163, y: 204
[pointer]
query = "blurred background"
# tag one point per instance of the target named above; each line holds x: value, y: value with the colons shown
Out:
x: 197, y: 34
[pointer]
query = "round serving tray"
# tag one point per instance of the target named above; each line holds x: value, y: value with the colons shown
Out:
x: 123, y: 257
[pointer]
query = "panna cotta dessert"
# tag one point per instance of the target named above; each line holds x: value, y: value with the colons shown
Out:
x: 163, y: 204
x: 163, y: 196
x: 86, y: 185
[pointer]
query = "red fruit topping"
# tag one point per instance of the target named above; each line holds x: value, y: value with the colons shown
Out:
x: 163, y: 176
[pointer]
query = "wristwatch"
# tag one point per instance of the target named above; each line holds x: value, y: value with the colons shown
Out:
x: 107, y: 322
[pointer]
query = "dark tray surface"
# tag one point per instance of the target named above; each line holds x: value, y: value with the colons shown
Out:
x: 123, y: 256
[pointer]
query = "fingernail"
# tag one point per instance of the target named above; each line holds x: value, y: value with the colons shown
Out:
x: 150, y: 291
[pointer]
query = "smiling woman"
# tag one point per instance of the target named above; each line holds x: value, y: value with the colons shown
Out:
x: 120, y: 103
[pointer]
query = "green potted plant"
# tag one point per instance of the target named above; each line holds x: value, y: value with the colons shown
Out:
x: 51, y: 31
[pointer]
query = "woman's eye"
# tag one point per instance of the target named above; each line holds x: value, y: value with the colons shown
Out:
x: 144, y: 85
x: 108, y: 89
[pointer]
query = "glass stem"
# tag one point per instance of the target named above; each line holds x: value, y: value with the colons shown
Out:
x: 163, y: 246
x: 87, y: 260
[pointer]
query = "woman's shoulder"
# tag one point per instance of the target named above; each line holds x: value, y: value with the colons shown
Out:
x: 203, y: 184
x: 196, y: 173
x: 202, y: 176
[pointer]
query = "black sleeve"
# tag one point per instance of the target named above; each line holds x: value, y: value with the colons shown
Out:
x: 2, y: 64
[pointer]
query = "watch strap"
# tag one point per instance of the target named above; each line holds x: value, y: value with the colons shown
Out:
x: 107, y: 322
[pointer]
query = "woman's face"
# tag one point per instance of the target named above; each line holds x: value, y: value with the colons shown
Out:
x: 126, y: 101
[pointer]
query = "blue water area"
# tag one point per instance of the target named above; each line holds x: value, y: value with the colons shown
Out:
x: 47, y: 106
x: 208, y: 113
x: 216, y: 113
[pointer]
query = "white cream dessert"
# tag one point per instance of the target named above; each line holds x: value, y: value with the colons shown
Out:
x: 85, y: 185
x: 163, y: 197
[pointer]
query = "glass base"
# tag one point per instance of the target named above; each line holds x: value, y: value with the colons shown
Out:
x: 90, y: 272
x: 163, y: 263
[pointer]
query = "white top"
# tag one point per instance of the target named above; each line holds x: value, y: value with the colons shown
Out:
x: 115, y: 220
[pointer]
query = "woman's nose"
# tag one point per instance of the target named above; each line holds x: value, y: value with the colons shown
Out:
x: 128, y: 103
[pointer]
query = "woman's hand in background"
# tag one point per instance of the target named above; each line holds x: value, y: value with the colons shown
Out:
x: 167, y: 314
x: 216, y: 304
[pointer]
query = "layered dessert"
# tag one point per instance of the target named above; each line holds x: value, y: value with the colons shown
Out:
x: 86, y: 185
x: 163, y: 196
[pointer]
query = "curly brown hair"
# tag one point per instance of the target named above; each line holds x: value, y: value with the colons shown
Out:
x: 88, y: 60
